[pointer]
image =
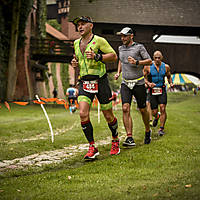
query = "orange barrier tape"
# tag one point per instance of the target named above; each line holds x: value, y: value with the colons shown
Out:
x: 60, y: 101
x: 20, y: 103
x: 48, y: 99
x: 66, y: 106
x: 44, y: 101
x: 7, y: 105
x: 37, y: 102
x: 76, y: 103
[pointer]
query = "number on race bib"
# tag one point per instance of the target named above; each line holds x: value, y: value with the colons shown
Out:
x: 90, y: 86
x: 156, y: 91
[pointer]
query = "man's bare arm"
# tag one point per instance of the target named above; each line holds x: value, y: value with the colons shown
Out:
x: 168, y: 74
x: 118, y: 70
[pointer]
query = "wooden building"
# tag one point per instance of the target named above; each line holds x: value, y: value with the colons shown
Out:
x: 148, y: 18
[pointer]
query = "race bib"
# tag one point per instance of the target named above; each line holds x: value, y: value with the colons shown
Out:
x: 90, y: 86
x: 131, y: 85
x: 156, y: 91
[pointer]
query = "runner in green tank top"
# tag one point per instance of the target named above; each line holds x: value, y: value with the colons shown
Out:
x: 91, y: 53
x: 91, y: 66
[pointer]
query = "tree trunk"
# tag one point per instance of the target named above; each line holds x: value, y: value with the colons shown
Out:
x: 12, y: 70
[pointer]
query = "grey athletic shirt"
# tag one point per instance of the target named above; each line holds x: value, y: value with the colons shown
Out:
x: 130, y: 71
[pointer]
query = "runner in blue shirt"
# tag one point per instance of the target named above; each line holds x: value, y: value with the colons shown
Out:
x: 72, y: 96
x: 158, y: 95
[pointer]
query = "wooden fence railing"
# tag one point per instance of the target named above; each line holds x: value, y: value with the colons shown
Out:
x: 51, y: 47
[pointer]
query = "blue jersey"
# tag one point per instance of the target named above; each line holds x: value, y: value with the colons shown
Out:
x: 71, y: 92
x: 158, y: 77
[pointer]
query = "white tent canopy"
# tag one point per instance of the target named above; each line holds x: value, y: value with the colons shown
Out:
x: 194, y: 79
x: 182, y: 79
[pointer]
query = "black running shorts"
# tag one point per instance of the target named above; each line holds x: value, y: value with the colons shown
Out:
x: 104, y: 91
x: 155, y: 100
x: 139, y: 92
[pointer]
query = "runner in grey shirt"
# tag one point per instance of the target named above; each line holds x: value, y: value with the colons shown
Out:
x: 132, y: 58
x: 132, y: 71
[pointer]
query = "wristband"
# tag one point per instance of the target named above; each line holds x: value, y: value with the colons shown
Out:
x: 98, y: 57
x: 137, y: 62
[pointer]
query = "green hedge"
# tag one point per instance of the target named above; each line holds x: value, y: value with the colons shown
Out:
x: 53, y: 71
x: 6, y: 8
x: 64, y: 74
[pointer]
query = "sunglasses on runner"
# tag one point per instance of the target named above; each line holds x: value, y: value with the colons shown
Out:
x: 82, y: 18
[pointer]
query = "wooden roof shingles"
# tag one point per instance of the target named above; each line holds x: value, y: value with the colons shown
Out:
x: 144, y: 12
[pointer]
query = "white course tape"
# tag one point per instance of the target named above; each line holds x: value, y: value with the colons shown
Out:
x: 52, y: 135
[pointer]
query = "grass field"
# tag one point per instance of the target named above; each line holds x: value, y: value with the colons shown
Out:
x: 168, y: 168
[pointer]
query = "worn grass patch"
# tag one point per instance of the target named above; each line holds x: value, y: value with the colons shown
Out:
x: 168, y: 168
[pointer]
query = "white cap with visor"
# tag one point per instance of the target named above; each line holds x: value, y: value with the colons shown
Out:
x: 125, y: 31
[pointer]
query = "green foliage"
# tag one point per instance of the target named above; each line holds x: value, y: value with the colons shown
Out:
x: 5, y: 35
x: 6, y: 21
x: 64, y: 76
x: 114, y: 84
x: 24, y: 13
x: 53, y: 71
x: 55, y: 24
x: 47, y: 85
x: 5, y: 16
x: 41, y: 18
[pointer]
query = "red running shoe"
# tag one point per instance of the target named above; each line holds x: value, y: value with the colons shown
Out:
x: 115, y: 150
x: 92, y: 153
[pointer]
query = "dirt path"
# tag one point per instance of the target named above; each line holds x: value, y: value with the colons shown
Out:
x: 49, y: 157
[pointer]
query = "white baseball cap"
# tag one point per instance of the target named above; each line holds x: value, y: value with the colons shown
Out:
x: 125, y: 31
